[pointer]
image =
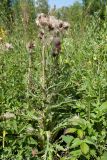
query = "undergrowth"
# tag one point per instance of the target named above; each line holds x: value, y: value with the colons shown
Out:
x: 72, y: 125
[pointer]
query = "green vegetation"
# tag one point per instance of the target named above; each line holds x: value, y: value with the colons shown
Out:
x: 55, y: 110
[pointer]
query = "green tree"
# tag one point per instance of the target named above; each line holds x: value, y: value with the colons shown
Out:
x: 72, y: 13
x: 92, y: 6
x: 42, y: 6
x: 6, y: 12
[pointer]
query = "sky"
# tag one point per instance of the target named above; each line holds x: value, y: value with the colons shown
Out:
x: 60, y: 3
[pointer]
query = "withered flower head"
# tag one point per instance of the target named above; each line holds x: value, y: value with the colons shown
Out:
x: 66, y: 25
x: 41, y: 34
x: 51, y: 22
x: 30, y: 46
x: 34, y: 152
x: 42, y: 20
x: 57, y: 26
x: 56, y: 46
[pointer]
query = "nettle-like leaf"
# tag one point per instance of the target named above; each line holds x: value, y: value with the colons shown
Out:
x: 76, y: 153
x: 93, y: 152
x: 84, y: 148
x: 67, y: 139
x: 89, y: 141
x: 31, y: 141
x: 78, y: 121
x: 76, y: 142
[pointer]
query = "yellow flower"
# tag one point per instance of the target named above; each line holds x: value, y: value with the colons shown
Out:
x: 2, y: 32
x: 4, y: 133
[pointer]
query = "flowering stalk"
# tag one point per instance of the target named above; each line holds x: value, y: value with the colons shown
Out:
x: 43, y: 73
x: 43, y: 68
x: 30, y: 46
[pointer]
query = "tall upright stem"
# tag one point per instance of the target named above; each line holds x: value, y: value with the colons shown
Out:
x: 29, y: 73
x: 43, y: 75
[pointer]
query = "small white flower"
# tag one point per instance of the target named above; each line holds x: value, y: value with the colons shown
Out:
x: 8, y: 46
x: 7, y: 115
x: 30, y: 129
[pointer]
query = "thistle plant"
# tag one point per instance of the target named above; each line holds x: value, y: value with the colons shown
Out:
x: 51, y: 31
x: 53, y: 88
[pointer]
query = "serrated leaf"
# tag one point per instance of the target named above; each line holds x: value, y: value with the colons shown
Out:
x: 84, y: 148
x: 93, y: 152
x: 31, y: 141
x: 70, y: 130
x: 89, y: 142
x: 67, y: 139
x: 76, y: 143
x: 76, y: 120
x: 76, y: 153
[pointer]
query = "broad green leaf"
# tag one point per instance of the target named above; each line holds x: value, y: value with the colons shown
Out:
x: 70, y: 130
x: 89, y: 142
x: 84, y: 148
x: 76, y: 120
x: 73, y: 158
x: 63, y: 158
x: 76, y: 143
x: 67, y: 139
x: 103, y: 107
x: 80, y: 133
x: 76, y: 153
x: 31, y: 141
x: 104, y: 157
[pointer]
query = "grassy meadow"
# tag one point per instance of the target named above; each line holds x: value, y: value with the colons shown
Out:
x: 54, y: 108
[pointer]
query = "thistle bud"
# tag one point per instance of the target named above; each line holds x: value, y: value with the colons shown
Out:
x: 30, y: 46
x: 56, y: 46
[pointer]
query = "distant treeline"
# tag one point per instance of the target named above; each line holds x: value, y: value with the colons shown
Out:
x: 10, y: 10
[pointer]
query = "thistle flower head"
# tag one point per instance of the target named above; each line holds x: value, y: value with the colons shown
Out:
x: 30, y: 46
x: 54, y: 27
x: 51, y: 22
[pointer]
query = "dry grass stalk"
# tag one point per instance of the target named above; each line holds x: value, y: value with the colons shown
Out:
x: 30, y: 46
x: 25, y: 14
